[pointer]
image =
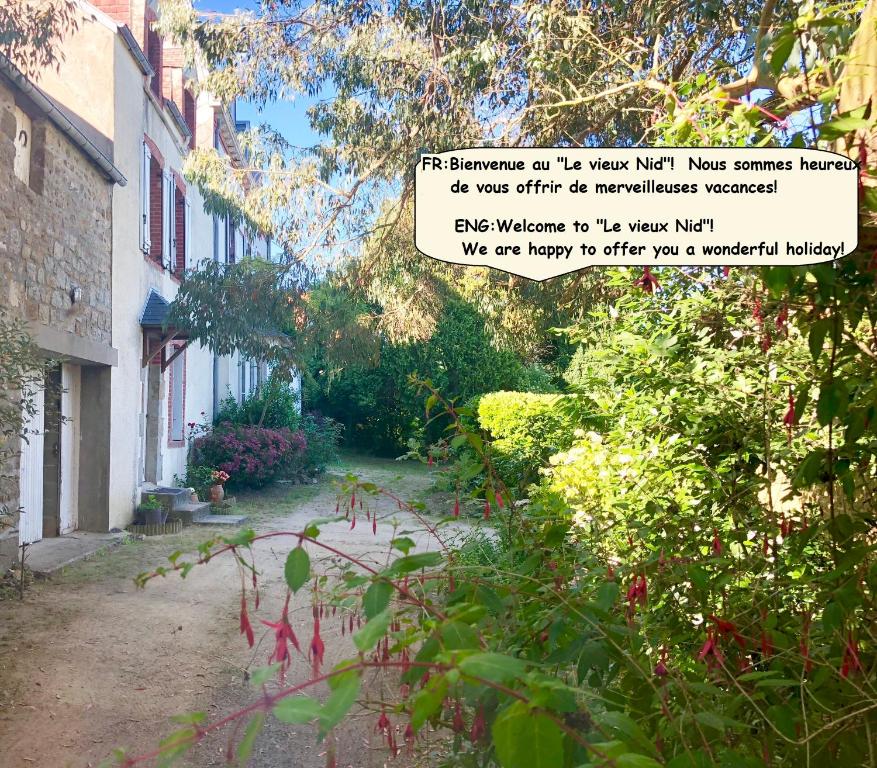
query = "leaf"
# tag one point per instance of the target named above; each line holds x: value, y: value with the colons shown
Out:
x: 297, y: 569
x: 404, y: 544
x: 816, y: 337
x: 411, y: 563
x: 494, y: 667
x: 457, y: 636
x: 246, y: 744
x: 428, y: 701
x: 376, y: 598
x: 297, y: 709
x: 262, y: 675
x: 626, y: 726
x: 632, y: 760
x: 526, y: 739
x: 782, y: 49
x: 373, y: 631
x: 833, y: 401
x: 345, y: 690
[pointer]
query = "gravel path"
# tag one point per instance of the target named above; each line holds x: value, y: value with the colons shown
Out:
x: 89, y: 662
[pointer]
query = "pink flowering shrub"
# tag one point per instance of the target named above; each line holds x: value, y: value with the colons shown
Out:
x: 252, y: 456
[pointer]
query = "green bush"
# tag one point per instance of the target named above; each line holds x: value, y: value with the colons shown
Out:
x: 527, y: 428
x: 274, y: 405
x: 323, y: 437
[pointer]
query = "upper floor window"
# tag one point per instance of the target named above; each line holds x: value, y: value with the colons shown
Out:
x: 23, y: 145
x: 182, y: 218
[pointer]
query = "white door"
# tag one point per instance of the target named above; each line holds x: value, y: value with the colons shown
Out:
x: 30, y: 526
x: 69, y: 447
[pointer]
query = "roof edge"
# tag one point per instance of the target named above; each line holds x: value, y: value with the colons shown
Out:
x: 18, y: 80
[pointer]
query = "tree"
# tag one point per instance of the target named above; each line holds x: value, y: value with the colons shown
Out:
x: 31, y: 31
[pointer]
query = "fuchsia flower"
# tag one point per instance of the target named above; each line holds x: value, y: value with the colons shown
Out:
x: 457, y: 507
x: 458, y: 724
x: 283, y: 635
x: 479, y: 726
x: 318, y: 648
x: 726, y: 628
x: 851, y: 662
x: 661, y: 667
x: 648, y: 282
x: 717, y: 543
x: 486, y: 509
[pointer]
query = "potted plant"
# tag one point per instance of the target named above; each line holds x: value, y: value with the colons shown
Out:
x: 152, y: 512
x: 217, y: 492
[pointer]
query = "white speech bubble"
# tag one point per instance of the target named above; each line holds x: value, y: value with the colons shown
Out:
x: 540, y: 213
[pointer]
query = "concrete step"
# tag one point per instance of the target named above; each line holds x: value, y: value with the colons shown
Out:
x: 49, y: 555
x: 220, y: 520
x: 189, y: 511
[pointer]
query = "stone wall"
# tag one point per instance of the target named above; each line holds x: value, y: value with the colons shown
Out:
x: 55, y: 236
x: 55, y: 233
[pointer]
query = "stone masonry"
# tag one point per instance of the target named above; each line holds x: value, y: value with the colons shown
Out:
x: 55, y: 236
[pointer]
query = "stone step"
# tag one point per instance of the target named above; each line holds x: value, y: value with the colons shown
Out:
x: 189, y: 511
x: 170, y: 498
x: 220, y: 520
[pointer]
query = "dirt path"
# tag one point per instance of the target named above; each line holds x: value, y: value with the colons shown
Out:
x: 89, y: 663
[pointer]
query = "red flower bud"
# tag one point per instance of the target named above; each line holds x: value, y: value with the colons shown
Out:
x: 479, y: 727
x: 486, y: 509
x: 246, y: 628
x: 457, y: 507
x: 458, y: 724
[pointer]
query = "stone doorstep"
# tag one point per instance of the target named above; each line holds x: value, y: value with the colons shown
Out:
x: 47, y: 556
x: 220, y: 520
x: 189, y: 511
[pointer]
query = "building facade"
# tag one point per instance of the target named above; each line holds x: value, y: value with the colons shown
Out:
x: 133, y: 94
x: 56, y: 231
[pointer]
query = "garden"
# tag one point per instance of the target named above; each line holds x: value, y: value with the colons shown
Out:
x: 648, y: 533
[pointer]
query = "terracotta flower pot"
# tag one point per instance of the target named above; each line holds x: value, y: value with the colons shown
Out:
x: 217, y: 493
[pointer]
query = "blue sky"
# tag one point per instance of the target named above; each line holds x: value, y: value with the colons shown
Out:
x: 289, y: 118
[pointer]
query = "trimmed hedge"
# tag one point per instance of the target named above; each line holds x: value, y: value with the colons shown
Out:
x: 527, y: 428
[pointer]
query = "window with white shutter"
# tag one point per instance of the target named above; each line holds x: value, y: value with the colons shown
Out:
x: 170, y: 228
x: 187, y: 230
x: 146, y: 165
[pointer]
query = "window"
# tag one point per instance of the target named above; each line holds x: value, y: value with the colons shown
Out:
x: 23, y: 145
x: 168, y: 233
x: 145, y: 184
x: 216, y: 238
x: 182, y: 218
x: 230, y: 237
x: 177, y: 398
x: 254, y: 376
x: 157, y: 229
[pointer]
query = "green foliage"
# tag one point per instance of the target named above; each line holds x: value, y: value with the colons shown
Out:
x: 527, y: 428
x: 276, y: 406
x: 323, y: 437
x: 376, y: 404
x: 272, y: 405
x: 22, y: 370
x: 197, y: 476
